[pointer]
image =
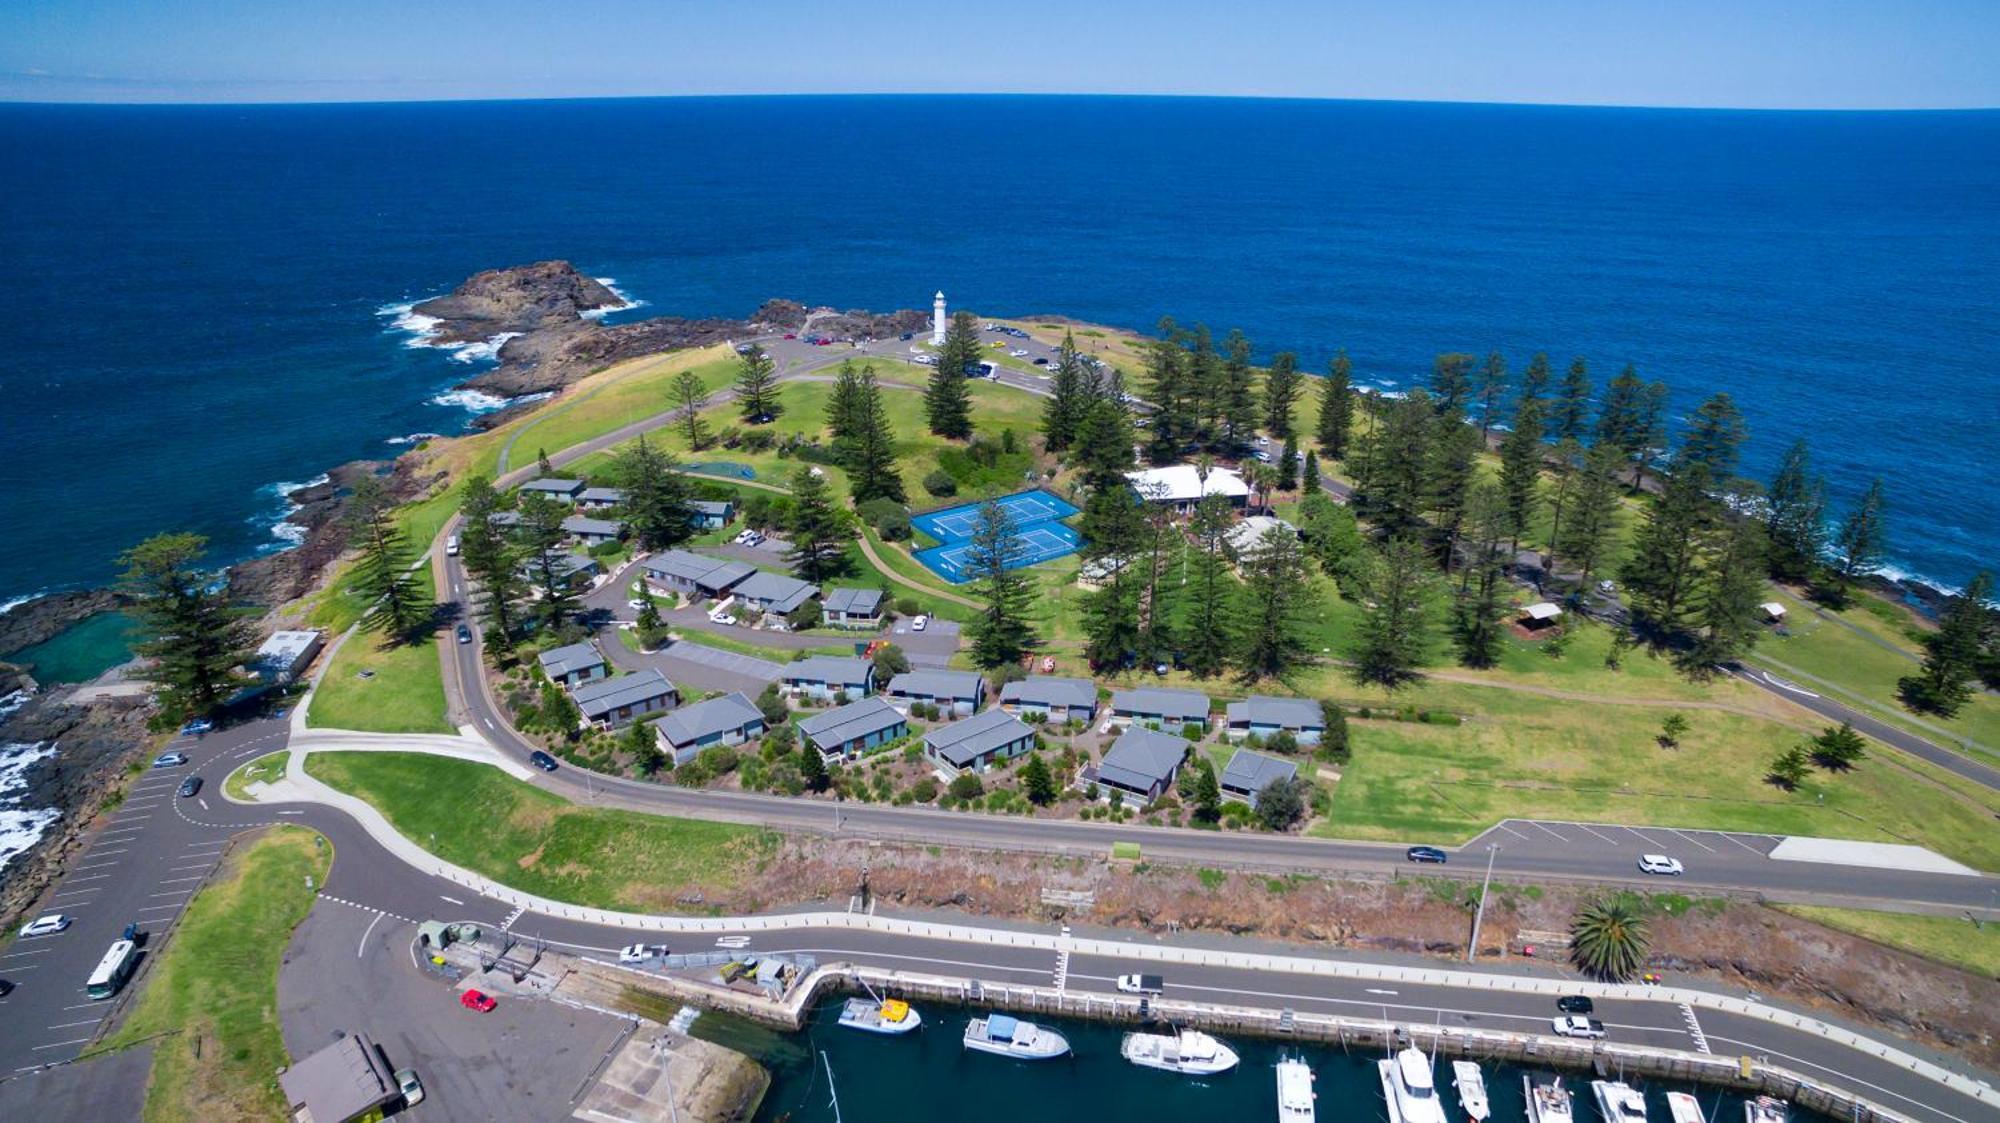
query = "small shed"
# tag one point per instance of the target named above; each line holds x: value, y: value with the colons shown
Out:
x: 1541, y: 614
x: 1774, y: 613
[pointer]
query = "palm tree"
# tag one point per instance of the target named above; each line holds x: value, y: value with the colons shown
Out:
x: 1609, y: 939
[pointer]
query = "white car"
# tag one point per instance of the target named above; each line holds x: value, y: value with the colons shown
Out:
x: 1576, y: 1025
x: 408, y: 1084
x: 635, y: 602
x: 1660, y: 864
x: 1018, y: 353
x: 47, y: 924
x: 636, y: 953
x: 723, y: 618
x: 170, y: 760
x: 919, y: 623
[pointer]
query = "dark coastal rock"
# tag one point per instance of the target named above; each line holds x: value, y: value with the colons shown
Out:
x: 273, y: 579
x: 44, y: 618
x: 92, y: 741
x: 521, y: 298
x: 15, y: 679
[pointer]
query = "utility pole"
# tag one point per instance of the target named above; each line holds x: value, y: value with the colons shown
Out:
x: 1479, y: 915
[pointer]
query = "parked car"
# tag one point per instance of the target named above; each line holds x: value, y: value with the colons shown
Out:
x: 47, y: 924
x: 1141, y: 984
x: 1578, y: 1026
x: 1660, y: 864
x: 477, y: 1000
x: 464, y: 634
x: 170, y: 760
x: 190, y: 787
x: 634, y: 953
x: 1041, y: 360
x: 5, y: 988
x: 722, y: 618
x: 1575, y: 1004
x: 542, y: 760
x: 635, y: 603
x: 1426, y: 854
x: 408, y: 1084
x: 919, y: 622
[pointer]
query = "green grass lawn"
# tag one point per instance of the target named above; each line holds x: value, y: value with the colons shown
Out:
x: 524, y: 837
x: 637, y: 392
x: 1948, y: 939
x: 267, y: 769
x: 404, y: 694
x: 214, y: 990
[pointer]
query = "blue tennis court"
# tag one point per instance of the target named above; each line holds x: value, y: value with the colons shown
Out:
x: 1038, y: 526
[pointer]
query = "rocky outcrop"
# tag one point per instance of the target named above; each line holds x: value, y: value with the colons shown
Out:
x: 321, y: 510
x: 44, y: 618
x: 91, y: 743
x: 522, y: 298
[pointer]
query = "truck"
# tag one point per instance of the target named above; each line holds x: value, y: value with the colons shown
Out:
x: 1141, y: 984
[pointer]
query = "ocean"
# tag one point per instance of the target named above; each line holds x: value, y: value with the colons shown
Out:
x: 201, y: 305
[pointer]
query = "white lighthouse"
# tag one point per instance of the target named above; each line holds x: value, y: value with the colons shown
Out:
x: 937, y: 320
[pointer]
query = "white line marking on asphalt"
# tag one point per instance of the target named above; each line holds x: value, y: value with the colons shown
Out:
x: 75, y: 892
x: 73, y: 1025
x: 132, y: 818
x: 1502, y: 826
x: 194, y: 866
x: 168, y: 893
x: 177, y: 880
x: 291, y: 812
x: 489, y: 722
x: 60, y: 1044
x: 1596, y: 834
x: 98, y: 866
x: 24, y: 967
x: 18, y: 954
x: 362, y: 948
x: 1545, y: 827
x: 199, y: 845
x: 203, y: 802
x: 1744, y: 844
x: 1378, y: 990
x: 453, y: 900
x: 1694, y: 840
x: 160, y: 908
x: 92, y: 877
x: 96, y: 853
x: 121, y: 830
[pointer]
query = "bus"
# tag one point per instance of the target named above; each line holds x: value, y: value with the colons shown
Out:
x: 113, y: 969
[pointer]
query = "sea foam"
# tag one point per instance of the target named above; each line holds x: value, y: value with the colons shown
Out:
x: 625, y: 300
x: 21, y: 827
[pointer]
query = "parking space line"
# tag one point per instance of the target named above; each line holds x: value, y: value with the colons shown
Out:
x: 73, y: 1025
x: 18, y: 954
x: 168, y: 893
x: 60, y: 1044
x: 23, y: 967
x: 92, y: 877
x: 97, y: 866
x: 1694, y: 840
x: 1743, y: 844
x: 76, y: 892
x: 95, y: 853
x: 159, y: 908
x: 1644, y: 837
x: 176, y: 880
x: 1595, y: 834
x: 1502, y: 826
x: 1545, y: 827
x: 195, y: 866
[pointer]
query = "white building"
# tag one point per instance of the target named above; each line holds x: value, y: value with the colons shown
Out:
x: 937, y: 320
x: 1183, y: 485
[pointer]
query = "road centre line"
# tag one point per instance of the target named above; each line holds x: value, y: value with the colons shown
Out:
x: 1694, y: 840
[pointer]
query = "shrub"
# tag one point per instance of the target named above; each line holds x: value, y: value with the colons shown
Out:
x: 717, y: 760
x: 940, y: 484
x: 1283, y: 742
x: 907, y: 606
x: 808, y: 615
x: 925, y: 790
x: 966, y: 785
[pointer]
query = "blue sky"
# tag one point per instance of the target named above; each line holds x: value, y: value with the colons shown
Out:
x: 1747, y: 53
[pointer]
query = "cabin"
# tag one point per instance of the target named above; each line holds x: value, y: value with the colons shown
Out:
x: 600, y: 498
x: 846, y: 732
x: 678, y: 571
x: 573, y: 570
x: 826, y: 678
x: 711, y: 514
x: 1141, y: 763
x: 977, y: 743
x: 954, y: 693
x: 853, y: 608
x: 617, y: 702
x: 565, y: 490
x: 726, y: 719
x: 281, y: 659
x: 1171, y: 710
x: 1249, y: 773
x: 592, y: 532
x: 1261, y: 715
x: 1243, y: 538
x: 574, y: 664
x: 1541, y: 614
x: 1181, y: 486
x: 1052, y: 698
x: 773, y: 594
x: 1096, y: 575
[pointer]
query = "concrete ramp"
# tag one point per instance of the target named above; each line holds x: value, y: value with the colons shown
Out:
x: 661, y: 1077
x: 1870, y: 855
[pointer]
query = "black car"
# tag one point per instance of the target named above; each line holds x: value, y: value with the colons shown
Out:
x: 542, y: 760
x: 190, y: 786
x: 1425, y: 854
x: 1574, y: 1004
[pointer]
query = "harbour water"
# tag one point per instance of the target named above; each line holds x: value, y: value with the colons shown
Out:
x: 80, y: 652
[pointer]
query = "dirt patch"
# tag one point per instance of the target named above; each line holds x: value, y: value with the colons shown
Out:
x: 530, y: 860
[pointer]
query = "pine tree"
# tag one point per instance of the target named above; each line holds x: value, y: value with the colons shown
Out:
x: 1619, y: 418
x: 1111, y: 621
x: 1239, y: 397
x: 1205, y: 796
x: 1858, y: 545
x: 1535, y: 380
x: 399, y: 605
x: 1166, y: 386
x: 1069, y: 398
x: 871, y: 464
x: 1594, y: 511
x: 820, y: 531
x: 1333, y: 539
x: 540, y: 535
x: 690, y: 395
x: 1454, y: 463
x: 194, y: 641
x: 1278, y: 603
x: 1795, y: 518
x: 542, y: 462
x: 1336, y: 407
x: 1281, y: 394
x: 1001, y: 633
x: 1489, y: 388
x: 1451, y: 384
x: 490, y: 558
x: 1944, y: 684
x: 843, y: 412
x: 1652, y: 433
x: 948, y: 397
x: 1838, y: 748
x: 1664, y: 572
x: 757, y: 387
x: 1205, y: 389
x: 812, y: 769
x: 1392, y: 480
x: 1570, y: 419
x: 1309, y: 475
x: 1211, y: 591
x: 1288, y: 465
x: 1715, y: 434
x: 1036, y: 782
x: 1395, y: 628
x: 657, y: 504
x: 1481, y: 595
x: 1521, y: 469
x: 1568, y: 460
x: 1732, y: 586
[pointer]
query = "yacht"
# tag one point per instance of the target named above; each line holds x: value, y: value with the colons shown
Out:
x: 888, y: 1015
x: 1470, y: 1084
x: 1004, y: 1035
x: 1548, y: 1100
x: 1683, y: 1108
x: 1765, y: 1109
x: 1295, y: 1092
x: 1619, y: 1102
x: 1189, y: 1052
x: 1407, y: 1085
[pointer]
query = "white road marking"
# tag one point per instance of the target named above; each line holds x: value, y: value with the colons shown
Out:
x: 98, y: 866
x: 96, y: 853
x: 203, y: 802
x: 92, y: 877
x: 177, y: 880
x: 1378, y: 990
x: 1544, y: 826
x: 23, y: 967
x: 1694, y: 840
x: 169, y: 893
x: 453, y: 900
x: 73, y: 1025
x: 1510, y: 830
x: 193, y: 866
x: 1743, y: 844
x: 75, y: 892
x: 82, y: 1006
x: 291, y: 812
x: 160, y: 908
x: 19, y: 954
x: 60, y: 1044
x: 361, y: 948
x: 1595, y: 834
x: 132, y: 818
x: 1839, y: 1074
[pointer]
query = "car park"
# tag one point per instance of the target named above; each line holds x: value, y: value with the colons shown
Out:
x: 542, y: 760
x: 477, y: 1000
x: 1661, y: 865
x: 1575, y: 1004
x: 190, y: 787
x: 464, y: 634
x: 1429, y: 854
x: 47, y: 924
x: 411, y: 1087
x: 170, y: 760
x: 1576, y: 1025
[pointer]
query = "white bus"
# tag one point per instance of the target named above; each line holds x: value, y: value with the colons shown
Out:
x: 113, y: 969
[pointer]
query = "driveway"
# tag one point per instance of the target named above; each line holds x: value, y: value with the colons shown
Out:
x: 712, y: 668
x: 932, y: 647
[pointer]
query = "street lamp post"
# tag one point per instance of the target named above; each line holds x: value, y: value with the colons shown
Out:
x: 1479, y: 914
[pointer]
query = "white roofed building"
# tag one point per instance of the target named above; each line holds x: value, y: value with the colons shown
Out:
x: 1183, y: 485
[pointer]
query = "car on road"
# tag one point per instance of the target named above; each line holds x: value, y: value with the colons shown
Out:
x: 464, y: 634
x: 197, y: 727
x: 1263, y: 456
x: 1426, y: 854
x: 190, y: 787
x: 477, y: 1000
x: 1018, y: 353
x: 640, y: 953
x: 5, y: 987
x: 170, y: 760
x: 1141, y: 984
x: 722, y: 618
x: 47, y: 924
x: 408, y: 1084
x: 1041, y: 360
x: 919, y: 622
x: 542, y: 760
x: 909, y: 335
x: 1575, y: 1004
x: 1575, y: 1025
x: 1660, y: 864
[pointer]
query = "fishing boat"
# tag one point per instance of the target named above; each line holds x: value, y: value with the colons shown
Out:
x: 1765, y: 1109
x: 1683, y: 1108
x: 1295, y: 1092
x: 1189, y: 1052
x: 1470, y: 1084
x: 1408, y: 1087
x: 1004, y: 1035
x: 1548, y: 1100
x: 1619, y: 1102
x: 887, y: 1015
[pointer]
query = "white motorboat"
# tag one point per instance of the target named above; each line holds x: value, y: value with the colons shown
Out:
x: 1004, y: 1035
x: 888, y: 1015
x: 1408, y: 1087
x: 1619, y: 1102
x: 1683, y: 1108
x: 1295, y: 1092
x: 1548, y: 1100
x: 1189, y: 1052
x: 1470, y: 1084
x: 1765, y: 1109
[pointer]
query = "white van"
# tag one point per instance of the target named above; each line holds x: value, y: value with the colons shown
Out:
x: 451, y: 546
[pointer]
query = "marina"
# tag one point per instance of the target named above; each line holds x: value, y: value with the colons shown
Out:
x: 1295, y: 1092
x: 1004, y: 1035
x: 1409, y: 1087
x: 1548, y: 1100
x: 890, y: 1016
x: 1618, y: 1102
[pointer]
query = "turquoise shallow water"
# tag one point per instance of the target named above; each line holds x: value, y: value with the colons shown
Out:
x: 88, y: 649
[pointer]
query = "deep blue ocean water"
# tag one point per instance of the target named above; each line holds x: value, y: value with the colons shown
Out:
x: 190, y: 297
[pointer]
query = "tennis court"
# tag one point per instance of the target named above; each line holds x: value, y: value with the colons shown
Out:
x: 1038, y: 527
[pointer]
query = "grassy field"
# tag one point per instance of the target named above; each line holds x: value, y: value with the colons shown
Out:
x: 524, y: 837
x: 215, y: 987
x: 267, y: 769
x: 404, y: 693
x: 1947, y: 939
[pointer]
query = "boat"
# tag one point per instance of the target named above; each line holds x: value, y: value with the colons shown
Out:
x: 1548, y: 1100
x: 1470, y: 1085
x: 888, y: 1015
x: 1295, y: 1092
x: 1004, y: 1035
x: 1765, y: 1109
x: 1619, y: 1102
x: 1683, y: 1108
x: 1189, y: 1052
x: 1408, y: 1087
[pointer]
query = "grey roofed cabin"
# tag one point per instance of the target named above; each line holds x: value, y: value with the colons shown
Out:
x: 284, y: 655
x: 830, y: 674
x: 555, y: 488
x: 978, y: 740
x: 775, y: 592
x: 1142, y: 762
x: 1249, y: 772
x: 723, y: 720
x: 346, y: 1080
x: 589, y: 529
x: 573, y: 662
x: 846, y: 605
x: 857, y: 725
x: 691, y: 571
x: 1264, y: 715
x: 963, y: 690
x: 600, y: 497
x: 1151, y: 703
x: 612, y: 700
x: 1050, y: 692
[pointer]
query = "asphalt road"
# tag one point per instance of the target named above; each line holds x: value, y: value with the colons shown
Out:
x: 1949, y: 759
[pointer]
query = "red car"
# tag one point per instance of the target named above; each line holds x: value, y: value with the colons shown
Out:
x: 791, y: 335
x: 476, y: 1000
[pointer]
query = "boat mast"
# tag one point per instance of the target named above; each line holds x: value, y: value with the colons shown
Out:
x: 833, y: 1094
